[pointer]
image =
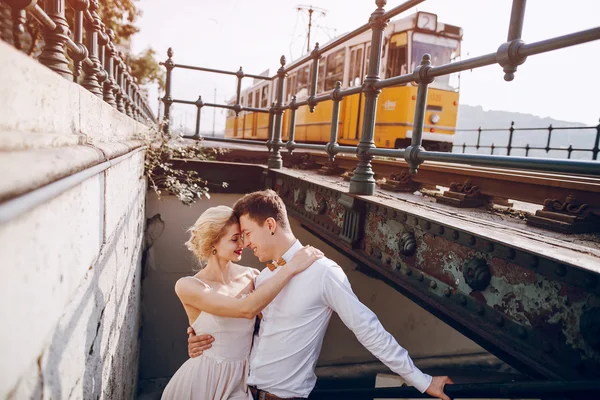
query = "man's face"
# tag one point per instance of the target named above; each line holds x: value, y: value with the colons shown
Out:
x: 257, y: 237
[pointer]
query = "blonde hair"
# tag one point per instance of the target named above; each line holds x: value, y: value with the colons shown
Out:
x: 208, y: 230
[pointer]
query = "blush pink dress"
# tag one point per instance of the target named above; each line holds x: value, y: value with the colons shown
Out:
x: 220, y: 372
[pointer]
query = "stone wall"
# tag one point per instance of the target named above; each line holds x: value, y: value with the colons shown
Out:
x: 72, y: 216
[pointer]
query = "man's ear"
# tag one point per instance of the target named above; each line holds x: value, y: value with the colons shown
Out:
x: 271, y: 224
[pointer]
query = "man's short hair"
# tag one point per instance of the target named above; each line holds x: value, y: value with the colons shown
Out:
x: 259, y: 206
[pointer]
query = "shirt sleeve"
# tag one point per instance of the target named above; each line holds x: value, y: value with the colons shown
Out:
x: 338, y: 295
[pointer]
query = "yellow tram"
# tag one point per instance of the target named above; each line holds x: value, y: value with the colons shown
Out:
x: 405, y: 42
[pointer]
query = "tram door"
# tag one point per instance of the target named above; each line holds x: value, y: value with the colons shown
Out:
x: 355, y: 103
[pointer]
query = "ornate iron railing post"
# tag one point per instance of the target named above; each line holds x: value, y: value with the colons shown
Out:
x: 292, y: 134
x: 362, y: 181
x: 110, y: 83
x: 507, y: 54
x: 19, y: 17
x: 314, y: 76
x: 275, y: 160
x: 167, y: 99
x: 411, y: 154
x: 199, y: 105
x: 80, y: 6
x: 90, y: 81
x: 53, y: 53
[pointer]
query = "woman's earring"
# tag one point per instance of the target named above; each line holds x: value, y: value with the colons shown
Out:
x: 214, y: 252
x: 272, y: 233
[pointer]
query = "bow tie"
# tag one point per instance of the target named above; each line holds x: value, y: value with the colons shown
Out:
x: 279, y: 263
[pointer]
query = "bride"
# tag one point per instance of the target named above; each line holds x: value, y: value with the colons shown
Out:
x: 220, y: 301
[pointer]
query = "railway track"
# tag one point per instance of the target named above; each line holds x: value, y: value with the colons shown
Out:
x: 491, y: 183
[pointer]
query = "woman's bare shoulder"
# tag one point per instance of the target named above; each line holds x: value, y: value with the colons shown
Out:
x: 249, y: 271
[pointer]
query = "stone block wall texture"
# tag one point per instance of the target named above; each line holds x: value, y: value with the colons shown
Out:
x: 71, y: 266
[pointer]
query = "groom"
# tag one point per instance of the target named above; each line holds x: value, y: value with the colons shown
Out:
x: 293, y: 325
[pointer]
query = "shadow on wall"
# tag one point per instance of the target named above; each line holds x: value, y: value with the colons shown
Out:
x: 105, y: 316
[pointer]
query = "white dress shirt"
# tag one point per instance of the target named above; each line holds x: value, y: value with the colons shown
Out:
x: 291, y: 332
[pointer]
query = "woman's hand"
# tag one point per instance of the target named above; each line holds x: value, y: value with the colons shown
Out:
x: 304, y: 258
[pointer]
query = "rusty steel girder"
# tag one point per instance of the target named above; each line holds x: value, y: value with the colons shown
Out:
x: 536, y: 311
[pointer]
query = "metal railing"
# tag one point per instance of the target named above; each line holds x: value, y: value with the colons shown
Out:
x: 509, y: 55
x: 510, y: 146
x: 106, y: 74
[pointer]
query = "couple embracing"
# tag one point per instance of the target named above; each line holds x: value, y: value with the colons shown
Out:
x: 292, y: 300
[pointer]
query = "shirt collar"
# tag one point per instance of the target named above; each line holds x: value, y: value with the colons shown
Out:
x: 292, y: 250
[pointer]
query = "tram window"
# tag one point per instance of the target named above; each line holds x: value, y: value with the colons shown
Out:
x: 335, y: 69
x: 397, y: 63
x: 321, y: 77
x: 356, y: 56
x: 265, y: 97
x: 291, y: 86
x: 250, y: 99
x: 303, y: 81
x: 442, y: 51
x: 368, y: 55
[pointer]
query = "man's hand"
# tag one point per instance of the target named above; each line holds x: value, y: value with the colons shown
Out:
x: 197, y: 344
x: 436, y: 387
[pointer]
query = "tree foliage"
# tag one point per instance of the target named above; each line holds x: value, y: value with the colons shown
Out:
x: 145, y: 68
x: 120, y: 16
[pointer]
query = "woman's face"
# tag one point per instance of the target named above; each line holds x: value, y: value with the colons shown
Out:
x: 231, y: 244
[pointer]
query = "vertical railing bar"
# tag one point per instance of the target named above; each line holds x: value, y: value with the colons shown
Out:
x: 596, y: 148
x: 314, y: 78
x: 270, y: 126
x: 238, y: 95
x: 548, y: 148
x: 362, y: 181
x: 510, y: 137
x: 335, y: 116
x: 292, y: 134
x: 199, y: 106
x: 411, y: 155
x: 275, y: 161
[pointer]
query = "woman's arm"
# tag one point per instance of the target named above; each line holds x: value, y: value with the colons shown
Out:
x: 194, y: 294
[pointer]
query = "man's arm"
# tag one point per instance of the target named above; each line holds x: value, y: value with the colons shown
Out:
x: 338, y: 295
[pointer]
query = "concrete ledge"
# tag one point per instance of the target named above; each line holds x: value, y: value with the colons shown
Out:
x: 27, y: 170
x: 38, y: 102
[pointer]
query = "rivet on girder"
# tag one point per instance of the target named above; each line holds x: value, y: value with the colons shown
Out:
x: 477, y: 274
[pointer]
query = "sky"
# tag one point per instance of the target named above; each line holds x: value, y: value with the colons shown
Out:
x: 227, y: 34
